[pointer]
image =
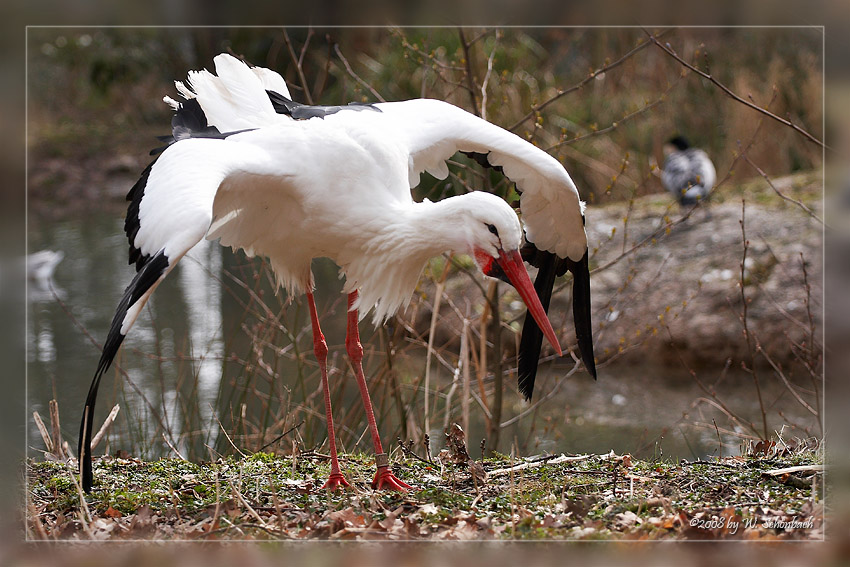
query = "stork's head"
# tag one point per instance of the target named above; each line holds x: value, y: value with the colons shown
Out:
x: 494, y: 236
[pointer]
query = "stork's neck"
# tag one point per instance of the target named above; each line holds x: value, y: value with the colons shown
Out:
x: 433, y: 228
x: 400, y: 241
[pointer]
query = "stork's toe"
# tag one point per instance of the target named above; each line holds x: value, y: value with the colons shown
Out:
x: 386, y: 480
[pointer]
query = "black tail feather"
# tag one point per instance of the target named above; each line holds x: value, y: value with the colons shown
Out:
x: 549, y: 267
x: 532, y: 337
x: 146, y: 277
x: 581, y: 311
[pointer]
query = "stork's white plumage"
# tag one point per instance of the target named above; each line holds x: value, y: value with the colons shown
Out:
x: 291, y: 182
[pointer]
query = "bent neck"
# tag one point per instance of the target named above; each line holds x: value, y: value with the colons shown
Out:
x: 433, y: 228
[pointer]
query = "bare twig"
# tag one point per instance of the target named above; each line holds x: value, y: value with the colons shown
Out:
x: 534, y: 464
x: 56, y: 430
x: 806, y: 209
x: 470, y: 78
x: 669, y: 51
x: 593, y: 74
x: 223, y: 430
x: 282, y: 435
x: 244, y: 502
x: 618, y: 123
x: 486, y: 80
x: 298, y: 68
x: 784, y: 379
x: 464, y: 361
x: 435, y: 313
x: 106, y: 423
x: 45, y: 436
x: 744, y: 319
x: 800, y: 468
x: 407, y: 452
x: 355, y: 76
x: 172, y: 447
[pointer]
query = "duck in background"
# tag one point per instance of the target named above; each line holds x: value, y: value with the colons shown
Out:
x: 687, y: 173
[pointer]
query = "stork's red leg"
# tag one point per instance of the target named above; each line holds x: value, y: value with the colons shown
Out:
x: 320, y: 348
x: 384, y: 477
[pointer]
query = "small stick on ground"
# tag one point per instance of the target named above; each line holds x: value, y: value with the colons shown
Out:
x: 719, y: 440
x: 45, y: 436
x: 535, y: 464
x: 106, y: 423
x: 57, y: 434
x: 407, y: 451
x: 173, y: 448
x: 247, y: 506
x: 801, y: 468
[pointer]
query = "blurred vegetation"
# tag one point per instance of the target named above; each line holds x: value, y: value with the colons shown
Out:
x: 95, y: 93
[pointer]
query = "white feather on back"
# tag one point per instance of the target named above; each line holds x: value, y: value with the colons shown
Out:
x: 236, y: 99
x: 272, y: 81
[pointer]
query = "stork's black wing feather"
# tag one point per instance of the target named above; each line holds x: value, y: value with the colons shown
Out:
x: 151, y: 271
x: 549, y: 267
x: 298, y: 111
x: 532, y: 337
x: 581, y: 311
x: 190, y: 122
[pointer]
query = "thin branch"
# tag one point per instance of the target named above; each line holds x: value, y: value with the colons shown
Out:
x: 806, y: 209
x: 669, y: 51
x: 551, y: 393
x: 744, y: 318
x: 106, y: 423
x: 593, y: 74
x: 616, y: 124
x: 355, y: 76
x: 45, y: 436
x: 781, y: 375
x: 301, y: 78
x: 487, y: 77
x: 282, y: 435
x: 172, y: 447
x: 470, y: 79
x: 304, y: 47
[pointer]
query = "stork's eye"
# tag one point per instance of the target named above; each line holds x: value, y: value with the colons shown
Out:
x: 492, y: 228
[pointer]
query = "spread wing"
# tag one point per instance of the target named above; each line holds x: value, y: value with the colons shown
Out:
x: 552, y: 212
x: 551, y: 209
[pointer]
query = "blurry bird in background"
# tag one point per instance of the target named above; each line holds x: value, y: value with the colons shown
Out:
x: 687, y: 173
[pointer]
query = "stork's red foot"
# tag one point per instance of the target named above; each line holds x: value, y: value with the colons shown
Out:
x: 335, y: 482
x: 386, y: 480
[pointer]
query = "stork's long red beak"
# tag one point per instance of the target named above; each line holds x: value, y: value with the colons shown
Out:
x: 511, y: 264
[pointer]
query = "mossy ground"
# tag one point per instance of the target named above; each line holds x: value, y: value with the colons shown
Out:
x: 262, y: 496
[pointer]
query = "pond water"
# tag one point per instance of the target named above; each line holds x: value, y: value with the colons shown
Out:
x: 189, y: 367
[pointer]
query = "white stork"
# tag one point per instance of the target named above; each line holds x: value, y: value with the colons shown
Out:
x: 291, y: 182
x: 688, y: 172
